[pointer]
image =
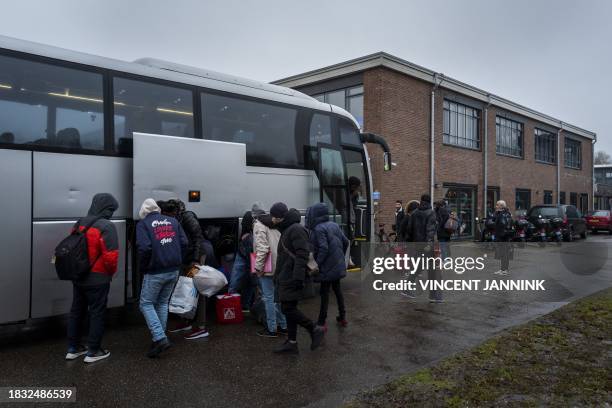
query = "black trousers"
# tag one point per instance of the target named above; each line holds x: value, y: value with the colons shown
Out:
x: 335, y: 286
x: 505, y: 256
x: 294, y: 318
x: 88, y: 301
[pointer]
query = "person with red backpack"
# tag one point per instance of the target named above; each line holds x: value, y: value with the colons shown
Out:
x: 90, y: 292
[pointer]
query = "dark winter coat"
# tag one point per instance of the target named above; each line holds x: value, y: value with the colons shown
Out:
x: 503, y: 225
x: 442, y: 215
x: 102, y: 240
x: 196, y: 246
x: 293, y: 252
x: 399, y: 217
x: 329, y: 243
x: 161, y: 242
x: 422, y: 225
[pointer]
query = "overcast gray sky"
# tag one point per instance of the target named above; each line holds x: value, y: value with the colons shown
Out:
x: 554, y: 56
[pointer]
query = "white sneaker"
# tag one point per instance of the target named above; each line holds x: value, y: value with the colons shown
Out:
x: 100, y: 355
x: 503, y: 272
x: 500, y: 272
x: 73, y: 354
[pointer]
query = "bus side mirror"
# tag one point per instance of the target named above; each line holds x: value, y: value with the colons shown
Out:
x: 387, y: 161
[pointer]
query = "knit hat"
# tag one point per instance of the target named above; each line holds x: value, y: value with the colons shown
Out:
x: 148, y: 206
x: 426, y: 198
x: 279, y: 210
x: 257, y: 209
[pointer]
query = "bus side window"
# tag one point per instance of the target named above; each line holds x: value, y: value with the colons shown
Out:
x: 150, y: 108
x: 50, y: 105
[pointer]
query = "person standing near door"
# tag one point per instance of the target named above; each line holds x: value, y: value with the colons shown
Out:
x: 161, y: 243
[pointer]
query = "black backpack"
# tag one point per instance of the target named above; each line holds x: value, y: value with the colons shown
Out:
x: 72, y: 255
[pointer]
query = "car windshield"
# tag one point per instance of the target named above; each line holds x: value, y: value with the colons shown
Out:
x: 600, y: 213
x: 545, y: 212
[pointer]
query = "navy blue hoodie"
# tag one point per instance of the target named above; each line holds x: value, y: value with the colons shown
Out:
x: 161, y: 243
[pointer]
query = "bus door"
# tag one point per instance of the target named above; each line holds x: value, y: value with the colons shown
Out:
x: 208, y: 176
x: 359, y: 206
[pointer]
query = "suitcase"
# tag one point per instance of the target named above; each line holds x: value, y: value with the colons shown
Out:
x: 229, y: 309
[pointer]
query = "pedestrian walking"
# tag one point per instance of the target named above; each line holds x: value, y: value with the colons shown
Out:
x: 266, y: 237
x: 291, y: 275
x: 161, y: 244
x: 329, y: 246
x: 90, y: 294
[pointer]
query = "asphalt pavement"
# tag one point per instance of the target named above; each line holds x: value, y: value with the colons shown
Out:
x: 388, y: 335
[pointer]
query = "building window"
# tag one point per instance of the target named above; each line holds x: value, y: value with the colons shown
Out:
x: 584, y: 203
x: 574, y: 199
x: 492, y: 198
x: 523, y: 199
x: 461, y: 125
x: 350, y: 99
x: 548, y: 199
x: 562, y: 197
x: 545, y: 146
x: 573, y: 153
x: 509, y: 137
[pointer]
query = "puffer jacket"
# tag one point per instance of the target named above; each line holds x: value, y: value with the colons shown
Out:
x: 328, y: 242
x: 293, y: 252
x: 102, y: 240
x: 266, y: 241
x: 422, y: 224
x: 503, y: 225
x: 191, y: 226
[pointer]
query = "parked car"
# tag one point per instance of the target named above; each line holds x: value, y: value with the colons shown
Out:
x: 599, y: 220
x: 571, y: 221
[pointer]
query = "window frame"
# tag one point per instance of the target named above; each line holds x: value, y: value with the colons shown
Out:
x: 497, y: 137
x: 575, y: 142
x: 548, y: 137
x: 522, y: 190
x: 446, y: 137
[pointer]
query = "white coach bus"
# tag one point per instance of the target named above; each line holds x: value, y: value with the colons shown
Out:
x: 73, y: 125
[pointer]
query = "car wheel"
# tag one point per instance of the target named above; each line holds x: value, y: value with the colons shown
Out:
x: 570, y: 235
x: 594, y: 232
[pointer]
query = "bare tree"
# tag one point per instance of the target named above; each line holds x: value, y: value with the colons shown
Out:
x: 602, y: 157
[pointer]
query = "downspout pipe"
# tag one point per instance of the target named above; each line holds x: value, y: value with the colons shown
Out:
x: 438, y: 78
x: 485, y: 144
x: 559, y: 132
x: 593, y: 169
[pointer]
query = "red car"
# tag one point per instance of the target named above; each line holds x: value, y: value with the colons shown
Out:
x: 599, y: 220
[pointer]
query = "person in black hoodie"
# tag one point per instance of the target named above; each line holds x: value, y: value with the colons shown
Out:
x: 161, y: 243
x: 503, y: 234
x: 421, y: 229
x: 403, y: 234
x: 90, y: 295
x: 291, y: 274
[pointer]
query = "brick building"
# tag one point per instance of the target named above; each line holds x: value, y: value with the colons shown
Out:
x: 478, y: 139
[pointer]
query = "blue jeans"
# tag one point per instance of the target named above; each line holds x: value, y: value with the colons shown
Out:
x: 240, y: 281
x: 154, y: 299
x: 273, y: 312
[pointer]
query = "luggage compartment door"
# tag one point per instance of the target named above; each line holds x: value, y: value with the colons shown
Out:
x: 208, y: 176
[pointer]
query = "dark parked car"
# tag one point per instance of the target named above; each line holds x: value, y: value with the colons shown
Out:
x: 599, y: 220
x: 570, y: 219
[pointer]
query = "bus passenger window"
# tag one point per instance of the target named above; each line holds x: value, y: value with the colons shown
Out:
x: 150, y: 108
x: 49, y: 105
x: 267, y: 130
x: 349, y: 134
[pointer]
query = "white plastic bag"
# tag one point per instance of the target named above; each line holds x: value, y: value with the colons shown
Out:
x: 184, y: 300
x: 209, y: 281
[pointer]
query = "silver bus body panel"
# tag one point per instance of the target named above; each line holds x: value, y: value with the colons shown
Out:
x: 51, y: 296
x: 371, y: 186
x: 64, y: 184
x: 169, y: 167
x: 16, y: 209
x: 296, y: 188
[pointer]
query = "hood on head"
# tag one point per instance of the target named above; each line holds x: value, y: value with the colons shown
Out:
x: 266, y: 220
x: 424, y: 205
x: 103, y: 205
x: 317, y: 214
x: 148, y: 206
x: 292, y: 217
x: 257, y: 209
